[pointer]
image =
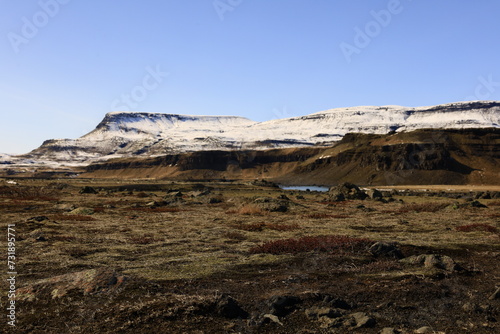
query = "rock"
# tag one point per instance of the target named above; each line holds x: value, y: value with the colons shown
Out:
x: 38, y: 219
x: 389, y: 330
x: 315, y: 312
x: 65, y: 207
x: 281, y: 306
x: 336, y: 302
x: 346, y: 191
x: 283, y: 196
x: 82, y: 211
x: 88, y: 190
x: 264, y: 183
x: 477, y: 204
x: 300, y: 197
x: 433, y: 261
x: 215, y: 200
x: 425, y: 329
x: 229, y: 308
x: 386, y: 250
x: 495, y: 295
x: 374, y: 194
x: 198, y: 193
x: 271, y: 204
x: 174, y: 194
x: 362, y: 320
x: 271, y: 317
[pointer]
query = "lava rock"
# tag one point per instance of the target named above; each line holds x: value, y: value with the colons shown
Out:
x: 386, y: 250
x: 88, y: 190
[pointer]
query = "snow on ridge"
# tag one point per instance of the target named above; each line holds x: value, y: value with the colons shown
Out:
x: 125, y: 134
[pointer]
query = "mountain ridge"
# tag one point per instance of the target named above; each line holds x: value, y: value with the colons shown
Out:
x: 130, y: 134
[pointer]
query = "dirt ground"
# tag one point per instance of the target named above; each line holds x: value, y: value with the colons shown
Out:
x: 113, y: 256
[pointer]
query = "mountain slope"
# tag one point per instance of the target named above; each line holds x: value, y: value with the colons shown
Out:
x: 129, y: 134
x: 468, y: 156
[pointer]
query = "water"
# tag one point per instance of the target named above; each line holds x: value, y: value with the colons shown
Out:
x: 304, y: 188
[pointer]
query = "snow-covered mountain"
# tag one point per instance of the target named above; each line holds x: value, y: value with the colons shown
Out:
x: 124, y: 134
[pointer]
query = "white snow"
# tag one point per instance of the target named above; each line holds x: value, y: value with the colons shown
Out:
x: 123, y: 134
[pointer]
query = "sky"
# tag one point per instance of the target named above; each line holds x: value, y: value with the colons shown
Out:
x: 64, y: 64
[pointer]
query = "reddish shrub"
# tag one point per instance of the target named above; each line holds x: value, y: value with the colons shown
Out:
x: 477, y: 227
x: 328, y: 243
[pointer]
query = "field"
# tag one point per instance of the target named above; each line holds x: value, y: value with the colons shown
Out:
x: 104, y: 256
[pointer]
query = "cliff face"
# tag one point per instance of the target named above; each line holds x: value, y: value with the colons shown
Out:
x: 416, y: 157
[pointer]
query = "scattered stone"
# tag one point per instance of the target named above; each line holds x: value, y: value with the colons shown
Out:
x: 271, y: 204
x: 300, y: 197
x: 281, y: 306
x: 174, y: 194
x: 346, y: 191
x: 471, y: 308
x: 495, y: 295
x: 88, y: 190
x: 374, y: 194
x: 336, y: 302
x: 433, y: 261
x: 477, y: 204
x: 82, y: 211
x: 215, y: 200
x: 271, y: 317
x: 386, y: 250
x: 229, y: 308
x: 389, y: 330
x: 362, y: 320
x: 264, y: 183
x: 38, y: 219
x: 316, y: 312
x: 65, y: 207
x: 198, y: 193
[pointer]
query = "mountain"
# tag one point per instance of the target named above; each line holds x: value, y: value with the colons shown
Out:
x: 429, y: 156
x: 132, y: 134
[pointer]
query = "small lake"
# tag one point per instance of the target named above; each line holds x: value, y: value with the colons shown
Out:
x: 305, y: 188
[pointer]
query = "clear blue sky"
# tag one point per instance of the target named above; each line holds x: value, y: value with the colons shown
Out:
x: 260, y: 59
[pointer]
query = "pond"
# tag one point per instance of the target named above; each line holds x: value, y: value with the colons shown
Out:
x: 305, y: 188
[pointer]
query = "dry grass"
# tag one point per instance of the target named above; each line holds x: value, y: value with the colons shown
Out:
x: 74, y: 218
x: 328, y: 243
x: 29, y: 193
x: 477, y: 227
x: 248, y: 209
x: 423, y: 207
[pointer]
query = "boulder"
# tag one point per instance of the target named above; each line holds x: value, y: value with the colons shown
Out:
x: 229, y: 308
x: 82, y: 211
x: 362, y: 320
x: 88, y: 190
x: 382, y: 249
x: 281, y: 306
x: 431, y: 261
x: 374, y: 194
x: 346, y: 191
x: 271, y: 204
x: 315, y: 312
